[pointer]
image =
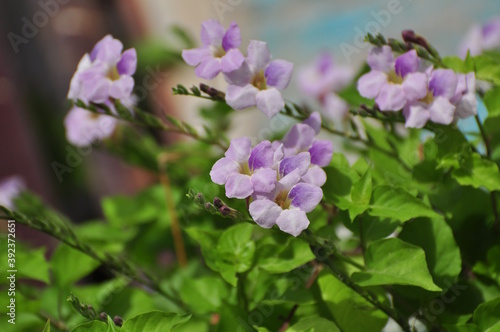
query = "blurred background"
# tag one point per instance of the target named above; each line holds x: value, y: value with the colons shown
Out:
x: 45, y: 39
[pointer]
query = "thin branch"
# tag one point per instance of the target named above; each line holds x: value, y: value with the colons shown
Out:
x: 310, y: 282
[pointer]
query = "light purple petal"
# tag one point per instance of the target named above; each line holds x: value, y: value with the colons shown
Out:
x: 314, y: 121
x: 473, y: 42
x: 264, y: 180
x: 441, y: 111
x: 96, y: 91
x: 194, y: 56
x: 208, y: 68
x: 121, y: 88
x: 278, y: 74
x: 107, y: 50
x: 279, y: 153
x: 466, y: 102
x: 305, y: 196
x: 232, y: 61
x: 407, y: 63
x: 443, y: 82
x: 232, y: 37
x: 264, y: 212
x: 415, y: 86
x: 128, y: 62
x: 239, y: 186
x: 300, y: 138
x: 321, y: 152
x: 416, y: 115
x: 491, y: 34
x: 381, y: 59
x: 84, y: 127
x: 270, y: 102
x: 293, y: 221
x: 240, y: 98
x: 241, y: 76
x: 222, y: 169
x: 239, y: 149
x: 75, y: 87
x: 335, y: 108
x: 258, y: 55
x: 261, y: 156
x: 10, y: 188
x: 370, y: 84
x: 299, y: 162
x: 315, y: 175
x: 391, y: 98
x: 212, y: 33
x: 289, y: 180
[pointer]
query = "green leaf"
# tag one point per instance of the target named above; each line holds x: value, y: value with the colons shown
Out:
x: 154, y: 321
x: 111, y: 325
x: 313, y: 324
x: 70, y: 265
x: 435, y: 237
x: 32, y: 264
x: 361, y: 194
x: 47, y: 326
x: 395, y: 262
x: 487, y: 316
x: 351, y: 311
x: 340, y: 179
x: 279, y: 258
x: 93, y: 326
x: 205, y: 294
x: 478, y: 172
x: 491, y: 100
x: 461, y: 328
x: 147, y: 206
x: 488, y: 68
x: 396, y: 203
x: 236, y: 248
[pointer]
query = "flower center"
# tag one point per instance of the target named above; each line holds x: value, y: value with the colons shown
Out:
x: 429, y: 98
x: 245, y: 169
x: 113, y: 74
x: 282, y: 200
x: 394, y: 78
x: 217, y: 52
x: 259, y: 80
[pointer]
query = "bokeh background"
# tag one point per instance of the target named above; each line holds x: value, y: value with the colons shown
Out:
x: 35, y: 74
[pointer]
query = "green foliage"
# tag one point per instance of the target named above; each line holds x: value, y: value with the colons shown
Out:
x: 394, y: 262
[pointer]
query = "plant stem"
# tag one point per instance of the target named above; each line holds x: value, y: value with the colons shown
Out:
x: 310, y: 281
x: 494, y: 207
x: 107, y: 260
x: 180, y: 251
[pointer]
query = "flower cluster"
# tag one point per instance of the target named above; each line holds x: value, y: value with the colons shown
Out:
x: 422, y: 92
x: 282, y: 179
x: 10, y: 188
x: 321, y: 80
x: 481, y: 38
x: 254, y: 80
x: 102, y: 76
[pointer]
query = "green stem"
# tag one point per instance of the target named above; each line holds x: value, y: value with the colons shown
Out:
x: 117, y: 265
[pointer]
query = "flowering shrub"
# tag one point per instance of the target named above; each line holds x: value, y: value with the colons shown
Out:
x: 394, y: 226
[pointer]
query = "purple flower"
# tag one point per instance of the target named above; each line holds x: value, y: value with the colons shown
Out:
x: 436, y: 105
x: 321, y: 80
x: 287, y: 205
x: 258, y: 81
x: 84, y: 127
x: 219, y: 51
x: 302, y: 138
x: 10, y: 188
x: 244, y: 170
x: 105, y: 73
x: 393, y: 83
x: 481, y: 38
x: 465, y: 97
